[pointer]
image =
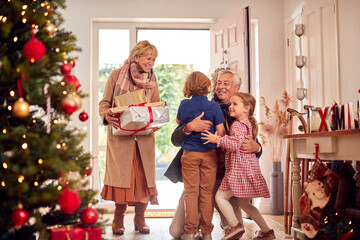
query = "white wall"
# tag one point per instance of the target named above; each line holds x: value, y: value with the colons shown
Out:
x: 349, y: 47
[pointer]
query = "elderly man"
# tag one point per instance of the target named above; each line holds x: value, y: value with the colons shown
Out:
x: 227, y: 83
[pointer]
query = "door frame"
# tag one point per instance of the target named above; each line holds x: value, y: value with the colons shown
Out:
x: 133, y: 25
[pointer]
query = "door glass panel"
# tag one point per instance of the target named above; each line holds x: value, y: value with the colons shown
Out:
x: 101, y: 127
x: 180, y: 53
x: 102, y: 162
x: 113, y: 50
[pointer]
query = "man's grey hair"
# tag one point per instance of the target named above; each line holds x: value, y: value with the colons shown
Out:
x: 236, y: 78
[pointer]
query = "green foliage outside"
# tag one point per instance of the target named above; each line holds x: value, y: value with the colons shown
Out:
x: 171, y: 79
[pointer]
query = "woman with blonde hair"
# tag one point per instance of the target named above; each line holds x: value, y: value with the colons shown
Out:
x: 130, y: 160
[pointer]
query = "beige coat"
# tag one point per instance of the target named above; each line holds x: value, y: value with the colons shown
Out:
x: 120, y: 149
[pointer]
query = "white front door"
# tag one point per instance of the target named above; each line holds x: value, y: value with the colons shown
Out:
x: 229, y: 46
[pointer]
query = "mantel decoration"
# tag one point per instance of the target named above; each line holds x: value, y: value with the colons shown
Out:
x: 300, y: 62
x: 271, y: 132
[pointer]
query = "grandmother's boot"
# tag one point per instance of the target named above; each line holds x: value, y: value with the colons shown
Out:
x: 118, y: 222
x: 139, y: 220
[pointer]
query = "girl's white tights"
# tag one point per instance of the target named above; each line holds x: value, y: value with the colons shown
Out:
x: 222, y: 199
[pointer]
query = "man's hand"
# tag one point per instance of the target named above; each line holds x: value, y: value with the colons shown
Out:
x: 249, y: 145
x: 198, y: 125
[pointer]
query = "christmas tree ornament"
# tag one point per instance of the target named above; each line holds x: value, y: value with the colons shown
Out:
x: 50, y: 28
x: 19, y: 216
x: 69, y: 201
x: 72, y: 80
x: 87, y: 171
x: 77, y: 99
x: 69, y: 105
x: 83, y: 116
x: 48, y: 108
x: 21, y: 108
x: 89, y: 216
x: 72, y: 62
x: 34, y: 50
x: 66, y: 68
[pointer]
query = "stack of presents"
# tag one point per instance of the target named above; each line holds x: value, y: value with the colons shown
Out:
x: 136, y: 116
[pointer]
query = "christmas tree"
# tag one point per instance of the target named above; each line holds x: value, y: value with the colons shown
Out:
x: 44, y: 169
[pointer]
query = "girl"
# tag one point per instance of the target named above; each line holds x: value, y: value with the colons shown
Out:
x: 199, y: 161
x: 243, y: 178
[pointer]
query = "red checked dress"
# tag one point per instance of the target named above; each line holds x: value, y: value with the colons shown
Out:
x: 242, y: 170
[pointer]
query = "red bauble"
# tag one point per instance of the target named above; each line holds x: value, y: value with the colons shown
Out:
x: 72, y: 80
x: 69, y: 201
x: 83, y: 116
x: 89, y: 216
x: 66, y: 68
x: 69, y: 105
x: 87, y: 171
x: 19, y: 217
x: 72, y: 62
x: 34, y: 50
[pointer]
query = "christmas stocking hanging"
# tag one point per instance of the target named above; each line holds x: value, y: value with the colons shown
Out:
x: 317, y: 192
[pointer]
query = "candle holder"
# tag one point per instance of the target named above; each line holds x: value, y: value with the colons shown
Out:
x: 301, y: 93
x: 299, y: 29
x: 300, y: 61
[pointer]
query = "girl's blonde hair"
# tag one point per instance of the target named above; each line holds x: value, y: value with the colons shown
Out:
x: 196, y: 83
x: 249, y: 100
x: 142, y: 48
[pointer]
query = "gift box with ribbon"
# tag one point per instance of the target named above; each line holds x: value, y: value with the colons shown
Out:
x: 75, y: 233
x: 140, y: 120
x: 135, y: 97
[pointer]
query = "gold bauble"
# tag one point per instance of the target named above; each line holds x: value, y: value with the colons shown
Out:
x: 21, y: 108
x: 77, y: 99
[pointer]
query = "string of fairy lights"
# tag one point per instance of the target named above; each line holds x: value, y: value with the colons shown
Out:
x: 51, y: 29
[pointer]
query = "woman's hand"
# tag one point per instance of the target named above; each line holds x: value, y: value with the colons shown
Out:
x: 156, y: 129
x: 211, y: 138
x: 112, y: 120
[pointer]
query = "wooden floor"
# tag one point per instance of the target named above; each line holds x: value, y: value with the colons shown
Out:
x: 160, y: 228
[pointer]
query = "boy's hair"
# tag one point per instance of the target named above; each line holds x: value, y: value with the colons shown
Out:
x: 196, y: 83
x: 249, y: 100
x: 142, y: 48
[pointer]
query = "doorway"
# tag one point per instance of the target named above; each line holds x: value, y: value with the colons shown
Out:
x: 181, y: 51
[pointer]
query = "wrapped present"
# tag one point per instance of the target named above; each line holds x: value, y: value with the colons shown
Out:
x: 75, y: 233
x: 121, y: 109
x: 130, y: 98
x: 137, y: 120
